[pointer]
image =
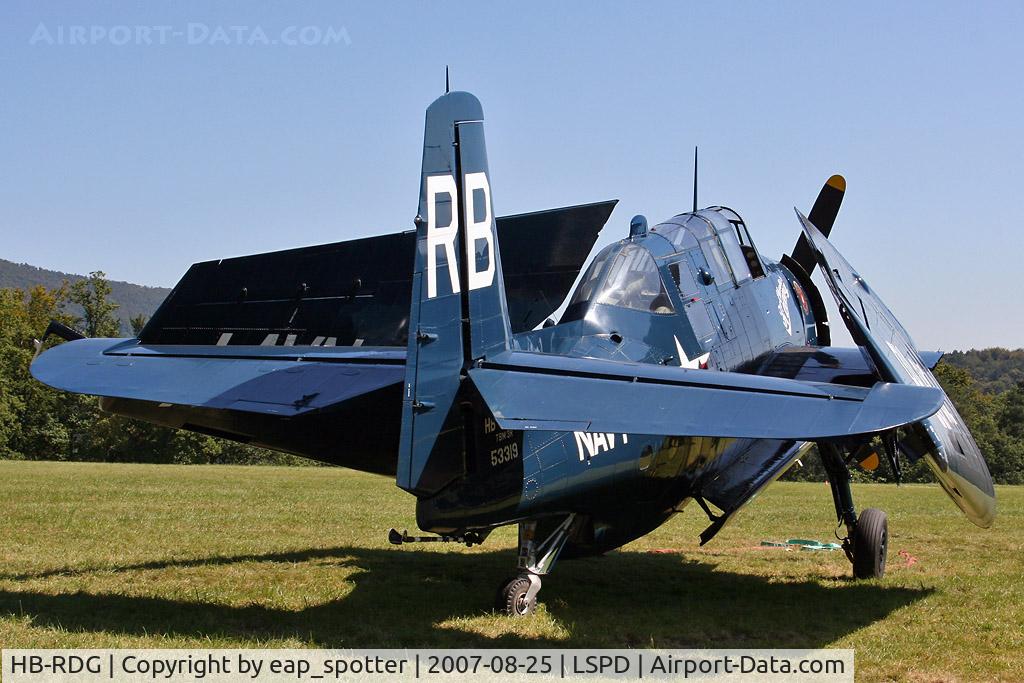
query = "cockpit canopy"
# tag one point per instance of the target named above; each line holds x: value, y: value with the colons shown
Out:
x: 712, y: 245
x: 624, y: 275
x: 723, y: 239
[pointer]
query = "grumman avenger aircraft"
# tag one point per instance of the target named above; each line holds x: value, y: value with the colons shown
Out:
x: 686, y: 367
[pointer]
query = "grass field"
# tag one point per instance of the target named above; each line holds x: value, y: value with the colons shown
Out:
x: 95, y: 555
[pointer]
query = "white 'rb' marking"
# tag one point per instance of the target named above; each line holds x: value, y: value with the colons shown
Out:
x: 444, y: 236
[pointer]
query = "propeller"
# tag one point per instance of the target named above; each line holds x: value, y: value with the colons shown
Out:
x: 823, y: 216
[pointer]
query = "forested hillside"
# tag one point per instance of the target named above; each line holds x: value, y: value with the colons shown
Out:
x: 132, y: 300
x: 995, y: 370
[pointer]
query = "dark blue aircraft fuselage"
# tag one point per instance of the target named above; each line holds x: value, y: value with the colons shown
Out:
x: 692, y: 292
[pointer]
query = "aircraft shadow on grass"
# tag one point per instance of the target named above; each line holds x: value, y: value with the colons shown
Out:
x: 404, y: 598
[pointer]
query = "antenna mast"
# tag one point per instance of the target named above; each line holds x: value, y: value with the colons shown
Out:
x: 695, y: 178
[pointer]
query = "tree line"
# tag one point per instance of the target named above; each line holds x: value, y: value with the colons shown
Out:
x: 995, y: 370
x: 39, y: 423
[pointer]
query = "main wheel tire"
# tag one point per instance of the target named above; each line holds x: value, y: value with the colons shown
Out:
x: 512, y: 598
x: 870, y: 544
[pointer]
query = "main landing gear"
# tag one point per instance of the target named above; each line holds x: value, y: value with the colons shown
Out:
x: 867, y: 536
x: 517, y: 595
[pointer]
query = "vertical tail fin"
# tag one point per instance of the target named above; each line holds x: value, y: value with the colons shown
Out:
x: 458, y: 313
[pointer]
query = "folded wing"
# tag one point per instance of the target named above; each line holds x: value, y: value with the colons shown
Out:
x: 943, y: 439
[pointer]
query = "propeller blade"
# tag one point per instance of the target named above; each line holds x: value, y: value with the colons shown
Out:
x: 823, y: 216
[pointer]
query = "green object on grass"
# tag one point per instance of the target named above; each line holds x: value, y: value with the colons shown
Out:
x: 802, y: 541
x: 773, y: 544
x: 808, y: 544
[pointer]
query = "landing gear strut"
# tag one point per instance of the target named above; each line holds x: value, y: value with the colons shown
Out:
x: 517, y: 595
x: 867, y: 536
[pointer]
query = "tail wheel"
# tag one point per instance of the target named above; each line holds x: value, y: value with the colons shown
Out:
x: 870, y: 544
x: 514, y: 598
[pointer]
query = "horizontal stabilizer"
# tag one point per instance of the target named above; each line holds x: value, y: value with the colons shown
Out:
x: 534, y: 391
x: 285, y: 381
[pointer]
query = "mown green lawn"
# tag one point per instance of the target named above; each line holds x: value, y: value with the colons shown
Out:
x: 98, y: 555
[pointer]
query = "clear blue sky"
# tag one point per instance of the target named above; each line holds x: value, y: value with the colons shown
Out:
x: 141, y: 159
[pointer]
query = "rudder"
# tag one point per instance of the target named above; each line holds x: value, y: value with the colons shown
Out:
x: 458, y: 313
